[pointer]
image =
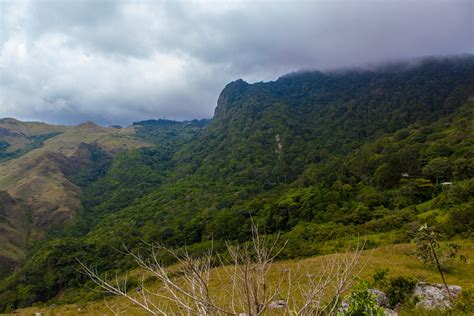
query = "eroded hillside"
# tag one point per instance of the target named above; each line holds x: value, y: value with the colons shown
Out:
x: 34, y: 186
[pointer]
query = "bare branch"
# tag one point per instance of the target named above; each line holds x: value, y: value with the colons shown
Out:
x: 244, y: 279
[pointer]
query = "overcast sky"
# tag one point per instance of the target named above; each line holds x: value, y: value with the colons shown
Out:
x: 115, y: 62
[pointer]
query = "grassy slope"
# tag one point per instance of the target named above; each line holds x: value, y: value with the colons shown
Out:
x: 18, y: 138
x: 399, y: 259
x: 214, y: 171
x: 37, y: 179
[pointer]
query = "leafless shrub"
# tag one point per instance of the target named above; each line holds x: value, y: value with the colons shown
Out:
x: 244, y: 280
x: 321, y: 293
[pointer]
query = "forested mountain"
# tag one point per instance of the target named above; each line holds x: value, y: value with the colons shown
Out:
x: 321, y: 157
x: 45, y: 167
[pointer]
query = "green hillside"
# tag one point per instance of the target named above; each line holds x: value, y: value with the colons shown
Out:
x: 36, y: 194
x: 18, y: 138
x: 321, y: 157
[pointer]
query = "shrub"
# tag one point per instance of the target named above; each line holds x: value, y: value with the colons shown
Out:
x: 362, y: 302
x: 461, y: 219
x: 380, y: 279
x: 464, y: 304
x: 400, y: 290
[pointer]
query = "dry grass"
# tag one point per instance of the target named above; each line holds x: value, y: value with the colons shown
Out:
x: 397, y: 258
x: 37, y: 179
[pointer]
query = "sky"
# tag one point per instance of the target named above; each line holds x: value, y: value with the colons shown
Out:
x: 115, y: 62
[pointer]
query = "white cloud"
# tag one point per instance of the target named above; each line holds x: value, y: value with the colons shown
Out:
x: 119, y: 61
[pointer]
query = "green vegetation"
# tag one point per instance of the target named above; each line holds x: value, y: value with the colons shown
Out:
x: 362, y: 302
x: 169, y: 133
x: 429, y: 251
x: 3, y: 145
x: 321, y: 157
x: 33, y: 142
x: 400, y: 289
x: 407, y: 265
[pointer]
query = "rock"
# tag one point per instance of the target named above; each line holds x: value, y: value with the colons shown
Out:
x: 278, y: 304
x: 344, y: 307
x: 432, y: 295
x: 390, y: 312
x: 380, y: 297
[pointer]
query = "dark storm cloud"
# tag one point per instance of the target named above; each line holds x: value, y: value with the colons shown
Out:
x: 119, y: 61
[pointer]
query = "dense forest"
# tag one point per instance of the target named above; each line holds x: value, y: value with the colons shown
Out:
x: 321, y: 157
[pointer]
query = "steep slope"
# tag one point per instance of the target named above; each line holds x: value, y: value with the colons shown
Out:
x: 318, y: 156
x: 17, y: 138
x: 134, y: 174
x: 317, y: 116
x: 35, y: 178
x: 267, y: 135
x: 13, y: 232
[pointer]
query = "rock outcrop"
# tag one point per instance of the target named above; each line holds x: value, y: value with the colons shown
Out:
x: 432, y: 295
x: 427, y: 295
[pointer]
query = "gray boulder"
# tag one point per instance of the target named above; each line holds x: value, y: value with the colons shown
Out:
x: 432, y: 295
x: 380, y: 297
x: 278, y: 304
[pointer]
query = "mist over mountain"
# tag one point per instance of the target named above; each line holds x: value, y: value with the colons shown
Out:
x: 115, y: 62
x: 321, y: 157
x: 237, y: 157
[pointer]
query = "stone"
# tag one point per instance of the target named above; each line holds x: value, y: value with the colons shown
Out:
x: 380, y: 297
x: 278, y: 304
x: 433, y: 295
x: 390, y: 312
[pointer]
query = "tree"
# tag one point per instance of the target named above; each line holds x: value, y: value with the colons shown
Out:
x: 463, y: 168
x: 414, y: 191
x: 428, y: 251
x: 461, y: 219
x: 438, y: 168
x: 385, y: 176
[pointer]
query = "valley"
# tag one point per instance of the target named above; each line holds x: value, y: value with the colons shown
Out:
x: 319, y: 158
x: 35, y: 182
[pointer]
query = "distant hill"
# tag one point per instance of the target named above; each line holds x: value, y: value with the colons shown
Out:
x: 17, y: 138
x: 33, y: 175
x: 320, y: 157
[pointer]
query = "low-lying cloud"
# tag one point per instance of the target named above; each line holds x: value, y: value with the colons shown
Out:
x: 121, y: 61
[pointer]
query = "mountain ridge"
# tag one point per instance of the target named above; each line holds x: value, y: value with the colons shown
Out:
x: 318, y: 157
x: 36, y: 175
